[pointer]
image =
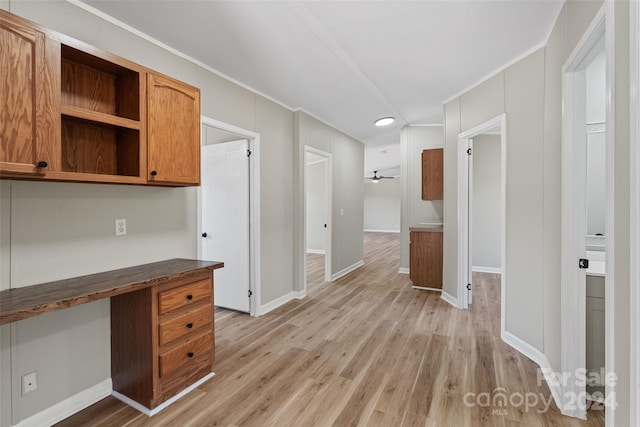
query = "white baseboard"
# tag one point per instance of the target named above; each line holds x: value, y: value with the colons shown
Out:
x: 540, y: 359
x: 403, y: 270
x: 493, y: 270
x: 424, y: 288
x: 68, y: 406
x: 448, y: 298
x: 151, y: 412
x: 270, y: 306
x: 369, y: 230
x: 347, y: 270
x: 316, y: 251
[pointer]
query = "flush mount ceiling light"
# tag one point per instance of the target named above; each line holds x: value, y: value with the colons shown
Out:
x: 385, y: 121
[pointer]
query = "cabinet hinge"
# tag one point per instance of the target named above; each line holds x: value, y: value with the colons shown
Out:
x: 248, y: 153
x: 250, y: 293
x: 469, y: 151
x: 468, y: 286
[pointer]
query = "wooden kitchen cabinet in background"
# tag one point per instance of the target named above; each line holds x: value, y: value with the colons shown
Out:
x: 425, y: 257
x: 432, y: 174
x: 71, y: 112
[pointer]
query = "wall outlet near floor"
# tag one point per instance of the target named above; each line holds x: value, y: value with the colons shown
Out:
x: 29, y: 383
x: 121, y: 227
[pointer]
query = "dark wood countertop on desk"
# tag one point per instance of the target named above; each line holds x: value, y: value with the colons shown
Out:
x: 22, y: 303
x: 426, y: 228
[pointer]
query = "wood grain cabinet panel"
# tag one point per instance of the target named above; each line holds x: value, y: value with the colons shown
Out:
x: 29, y: 93
x: 174, y: 132
x: 432, y: 174
x: 72, y: 112
x: 155, y: 354
x: 425, y: 259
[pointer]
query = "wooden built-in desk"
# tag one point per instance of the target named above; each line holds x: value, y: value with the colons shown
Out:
x: 162, y: 324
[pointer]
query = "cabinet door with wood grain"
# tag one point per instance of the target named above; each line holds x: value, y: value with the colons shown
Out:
x: 433, y: 174
x: 173, y: 132
x: 30, y: 99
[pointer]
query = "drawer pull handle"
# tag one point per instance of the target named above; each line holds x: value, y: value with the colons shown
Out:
x: 190, y: 354
x: 189, y: 296
x: 189, y: 325
x: 154, y: 173
x: 42, y: 164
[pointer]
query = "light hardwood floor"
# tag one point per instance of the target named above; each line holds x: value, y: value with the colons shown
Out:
x: 365, y: 350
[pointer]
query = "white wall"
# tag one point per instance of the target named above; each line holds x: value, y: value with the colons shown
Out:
x: 487, y: 203
x: 382, y: 205
x: 347, y: 159
x: 530, y: 93
x: 60, y: 230
x: 316, y: 206
x: 596, y: 154
x: 414, y: 139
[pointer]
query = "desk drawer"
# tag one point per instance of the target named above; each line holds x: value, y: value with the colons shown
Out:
x: 175, y: 298
x: 176, y: 327
x: 185, y: 353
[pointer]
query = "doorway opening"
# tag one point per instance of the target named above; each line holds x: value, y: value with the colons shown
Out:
x: 482, y: 224
x: 587, y: 283
x: 229, y: 211
x: 317, y: 217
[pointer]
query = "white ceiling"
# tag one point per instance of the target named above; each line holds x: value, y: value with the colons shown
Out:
x: 349, y: 62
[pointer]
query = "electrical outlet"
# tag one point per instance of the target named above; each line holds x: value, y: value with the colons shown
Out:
x: 121, y: 227
x: 29, y: 383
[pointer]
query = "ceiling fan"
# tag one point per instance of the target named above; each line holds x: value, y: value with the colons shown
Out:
x: 375, y: 178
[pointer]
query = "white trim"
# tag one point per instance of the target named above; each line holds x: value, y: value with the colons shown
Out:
x: 464, y: 214
x: 427, y: 125
x: 573, y: 246
x: 100, y: 14
x: 347, y: 270
x: 634, y: 139
x: 316, y: 251
x: 69, y: 406
x: 255, y: 284
x: 369, y: 230
x: 496, y: 72
x: 270, y: 306
x: 403, y: 270
x: 328, y: 243
x: 151, y: 412
x: 450, y: 299
x: 540, y: 359
x: 425, y: 288
x: 492, y: 270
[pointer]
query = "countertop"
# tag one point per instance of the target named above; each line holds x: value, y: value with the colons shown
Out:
x: 22, y: 303
x: 427, y: 228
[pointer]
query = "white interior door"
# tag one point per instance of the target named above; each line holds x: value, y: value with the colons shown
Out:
x: 225, y: 221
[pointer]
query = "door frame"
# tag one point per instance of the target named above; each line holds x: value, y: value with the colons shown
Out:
x: 465, y: 215
x: 635, y: 209
x: 599, y: 34
x: 254, y: 206
x: 328, y: 168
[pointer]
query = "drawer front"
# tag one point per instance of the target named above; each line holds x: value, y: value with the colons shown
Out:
x: 186, y: 353
x: 176, y: 298
x: 184, y: 324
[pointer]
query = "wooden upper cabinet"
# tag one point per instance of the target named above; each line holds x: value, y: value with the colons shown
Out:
x: 30, y: 93
x: 72, y: 112
x: 174, y: 132
x: 432, y: 174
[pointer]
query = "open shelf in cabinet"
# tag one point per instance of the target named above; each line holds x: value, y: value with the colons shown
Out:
x: 96, y: 148
x: 102, y: 132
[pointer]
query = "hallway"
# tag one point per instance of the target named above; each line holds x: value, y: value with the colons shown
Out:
x: 364, y: 350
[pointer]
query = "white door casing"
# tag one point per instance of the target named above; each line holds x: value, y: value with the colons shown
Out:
x: 254, y: 267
